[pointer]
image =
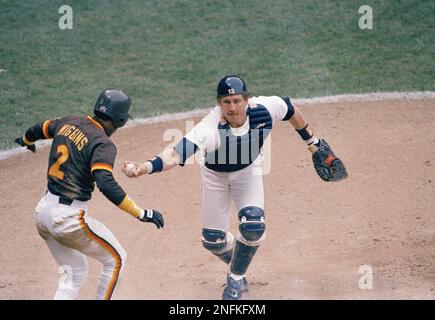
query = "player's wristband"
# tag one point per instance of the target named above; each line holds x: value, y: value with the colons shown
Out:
x: 146, y: 213
x: 149, y: 166
x: 156, y: 165
x: 131, y: 207
x: 307, y: 135
x: 27, y: 142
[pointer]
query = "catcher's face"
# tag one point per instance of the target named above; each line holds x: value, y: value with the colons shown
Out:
x: 234, y: 109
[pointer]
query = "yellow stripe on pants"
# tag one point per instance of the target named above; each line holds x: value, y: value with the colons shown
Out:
x: 109, y: 248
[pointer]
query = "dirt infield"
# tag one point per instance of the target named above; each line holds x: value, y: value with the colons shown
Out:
x: 318, y: 234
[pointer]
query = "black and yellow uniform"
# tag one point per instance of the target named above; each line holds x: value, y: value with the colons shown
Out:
x: 81, y: 154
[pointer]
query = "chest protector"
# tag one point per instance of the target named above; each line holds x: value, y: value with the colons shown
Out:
x: 238, y: 152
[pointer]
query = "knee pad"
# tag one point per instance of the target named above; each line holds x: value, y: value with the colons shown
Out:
x: 251, y: 224
x: 216, y: 240
x: 220, y: 243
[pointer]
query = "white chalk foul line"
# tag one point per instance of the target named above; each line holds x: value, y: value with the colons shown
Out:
x: 376, y: 96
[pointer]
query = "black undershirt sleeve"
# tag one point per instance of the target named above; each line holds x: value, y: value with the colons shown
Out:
x: 42, y: 130
x: 108, y: 186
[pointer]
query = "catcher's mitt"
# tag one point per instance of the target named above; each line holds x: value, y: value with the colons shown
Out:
x: 327, y: 165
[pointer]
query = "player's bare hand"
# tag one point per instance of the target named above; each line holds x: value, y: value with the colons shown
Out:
x: 153, y: 216
x: 133, y: 169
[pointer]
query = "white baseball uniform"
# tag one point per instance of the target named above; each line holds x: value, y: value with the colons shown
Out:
x: 231, y: 166
x: 71, y: 236
x: 80, y: 154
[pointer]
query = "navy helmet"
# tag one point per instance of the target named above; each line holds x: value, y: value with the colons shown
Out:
x: 231, y: 85
x: 114, y: 104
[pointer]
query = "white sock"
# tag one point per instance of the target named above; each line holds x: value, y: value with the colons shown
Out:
x: 237, y: 277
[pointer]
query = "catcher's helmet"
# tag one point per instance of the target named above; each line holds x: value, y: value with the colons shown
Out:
x: 115, y: 104
x: 230, y: 85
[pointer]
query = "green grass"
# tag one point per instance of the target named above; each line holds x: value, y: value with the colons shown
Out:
x: 169, y: 55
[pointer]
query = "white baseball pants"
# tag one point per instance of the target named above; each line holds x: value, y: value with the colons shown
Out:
x: 71, y: 236
x: 219, y: 189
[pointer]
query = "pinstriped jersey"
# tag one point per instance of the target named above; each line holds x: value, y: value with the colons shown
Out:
x: 227, y: 149
x: 79, y: 147
x: 237, y: 151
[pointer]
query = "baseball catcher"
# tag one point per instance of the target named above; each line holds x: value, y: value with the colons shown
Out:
x: 230, y: 139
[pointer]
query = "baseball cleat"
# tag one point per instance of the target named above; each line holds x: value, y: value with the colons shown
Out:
x: 244, y: 287
x: 234, y: 288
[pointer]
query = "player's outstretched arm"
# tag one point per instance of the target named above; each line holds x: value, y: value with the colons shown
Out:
x: 166, y: 160
x: 115, y: 194
x: 327, y: 165
x: 22, y: 141
x: 38, y: 131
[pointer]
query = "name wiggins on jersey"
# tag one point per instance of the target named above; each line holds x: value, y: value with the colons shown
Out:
x: 75, y: 134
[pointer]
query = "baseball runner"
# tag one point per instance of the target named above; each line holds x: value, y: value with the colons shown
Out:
x: 231, y: 137
x: 81, y: 154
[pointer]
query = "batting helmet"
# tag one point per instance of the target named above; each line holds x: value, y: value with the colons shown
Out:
x: 114, y: 104
x: 230, y: 85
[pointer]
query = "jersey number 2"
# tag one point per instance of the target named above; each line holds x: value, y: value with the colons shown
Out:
x: 54, y: 170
